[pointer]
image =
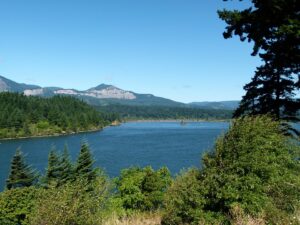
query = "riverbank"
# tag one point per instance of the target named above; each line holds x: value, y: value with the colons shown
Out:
x: 176, y: 120
x: 114, y: 123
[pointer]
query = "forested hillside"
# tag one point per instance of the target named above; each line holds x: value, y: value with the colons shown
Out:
x: 164, y: 112
x: 22, y: 116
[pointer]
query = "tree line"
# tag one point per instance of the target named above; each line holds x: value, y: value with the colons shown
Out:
x: 127, y: 112
x: 23, y: 116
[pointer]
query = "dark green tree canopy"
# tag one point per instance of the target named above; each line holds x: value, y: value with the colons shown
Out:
x: 21, y: 174
x: 30, y: 115
x: 273, y: 26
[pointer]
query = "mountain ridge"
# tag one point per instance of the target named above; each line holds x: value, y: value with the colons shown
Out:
x: 102, y: 94
x: 107, y: 94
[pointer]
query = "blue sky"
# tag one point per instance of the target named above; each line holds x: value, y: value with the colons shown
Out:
x: 170, y: 48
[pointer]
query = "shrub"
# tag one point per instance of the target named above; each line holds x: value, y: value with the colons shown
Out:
x: 16, y: 205
x: 142, y: 188
x: 79, y: 202
x: 254, y: 167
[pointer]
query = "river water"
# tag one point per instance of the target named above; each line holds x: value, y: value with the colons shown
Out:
x: 157, y: 144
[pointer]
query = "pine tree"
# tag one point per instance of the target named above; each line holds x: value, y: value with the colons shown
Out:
x: 273, y: 27
x: 67, y: 171
x: 84, y: 164
x: 53, y: 170
x: 269, y: 92
x: 21, y: 174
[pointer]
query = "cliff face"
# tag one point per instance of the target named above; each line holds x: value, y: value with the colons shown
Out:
x: 106, y: 92
x: 102, y: 94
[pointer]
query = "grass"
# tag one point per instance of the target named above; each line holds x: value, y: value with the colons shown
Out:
x: 135, y: 219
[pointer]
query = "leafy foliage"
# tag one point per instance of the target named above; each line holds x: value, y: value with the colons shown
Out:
x: 16, y: 205
x: 254, y: 167
x: 72, y: 203
x: 184, y: 200
x: 142, y: 188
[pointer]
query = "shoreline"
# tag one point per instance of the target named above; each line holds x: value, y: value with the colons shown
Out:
x: 115, y: 123
x: 61, y: 134
x: 174, y: 120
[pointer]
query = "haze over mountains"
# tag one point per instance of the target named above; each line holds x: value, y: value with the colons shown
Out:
x: 104, y: 94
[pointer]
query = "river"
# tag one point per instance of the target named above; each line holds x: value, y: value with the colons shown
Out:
x: 157, y: 144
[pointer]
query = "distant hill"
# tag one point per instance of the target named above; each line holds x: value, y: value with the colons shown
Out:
x: 102, y: 94
x: 229, y: 105
x: 11, y: 86
x: 131, y: 112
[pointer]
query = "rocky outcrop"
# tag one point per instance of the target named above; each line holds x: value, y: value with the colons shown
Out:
x: 34, y: 92
x: 107, y: 92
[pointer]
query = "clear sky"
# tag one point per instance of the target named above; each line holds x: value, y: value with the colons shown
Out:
x: 170, y: 48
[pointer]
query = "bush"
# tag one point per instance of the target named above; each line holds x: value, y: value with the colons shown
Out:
x: 142, y: 188
x: 254, y: 167
x: 16, y: 205
x: 184, y: 201
x: 79, y: 202
x: 42, y: 125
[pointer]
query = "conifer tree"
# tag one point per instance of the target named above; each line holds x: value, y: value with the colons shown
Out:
x: 67, y: 171
x: 273, y: 26
x: 53, y: 170
x: 84, y: 164
x: 21, y: 174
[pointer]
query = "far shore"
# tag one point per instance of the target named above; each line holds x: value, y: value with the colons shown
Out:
x: 175, y: 120
x: 116, y: 124
x: 60, y: 134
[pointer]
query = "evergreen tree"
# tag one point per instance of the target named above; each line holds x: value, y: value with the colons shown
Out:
x: 67, y: 171
x: 84, y: 164
x: 274, y: 27
x: 30, y: 115
x: 21, y: 174
x: 270, y: 92
x: 53, y: 171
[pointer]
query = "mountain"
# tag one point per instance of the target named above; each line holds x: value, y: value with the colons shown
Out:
x: 9, y: 85
x: 102, y: 94
x: 230, y: 105
x: 105, y: 94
